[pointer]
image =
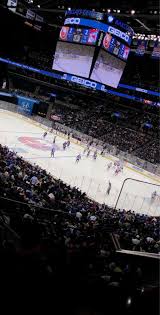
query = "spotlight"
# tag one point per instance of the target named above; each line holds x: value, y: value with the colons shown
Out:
x: 38, y: 6
x: 108, y: 10
x: 110, y: 18
x: 129, y: 301
x: 155, y: 12
x: 132, y: 12
x: 118, y: 11
x: 69, y: 9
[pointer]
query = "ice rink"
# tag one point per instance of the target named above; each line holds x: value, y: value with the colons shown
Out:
x: 92, y: 177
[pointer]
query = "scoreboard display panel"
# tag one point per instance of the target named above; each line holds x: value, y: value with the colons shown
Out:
x: 95, y: 48
x: 73, y: 58
x: 79, y: 35
x: 112, y: 45
x: 108, y: 69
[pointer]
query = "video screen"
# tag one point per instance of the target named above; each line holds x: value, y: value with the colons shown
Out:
x: 108, y: 69
x: 112, y: 45
x: 73, y: 58
x: 79, y: 35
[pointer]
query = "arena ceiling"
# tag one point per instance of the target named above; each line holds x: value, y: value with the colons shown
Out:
x: 142, y: 15
x: 144, y: 20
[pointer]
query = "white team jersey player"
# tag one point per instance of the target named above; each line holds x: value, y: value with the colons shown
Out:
x: 109, y: 165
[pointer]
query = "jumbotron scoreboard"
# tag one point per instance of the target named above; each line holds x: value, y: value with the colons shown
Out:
x: 93, y: 47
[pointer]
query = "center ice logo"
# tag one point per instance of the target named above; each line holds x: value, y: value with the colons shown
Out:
x: 36, y: 143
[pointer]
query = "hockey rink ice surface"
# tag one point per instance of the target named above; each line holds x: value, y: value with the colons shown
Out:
x: 26, y: 138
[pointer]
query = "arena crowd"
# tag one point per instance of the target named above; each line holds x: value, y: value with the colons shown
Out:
x: 100, y: 122
x: 82, y: 219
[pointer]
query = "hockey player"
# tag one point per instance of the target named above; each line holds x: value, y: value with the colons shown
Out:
x: 154, y: 195
x: 88, y: 153
x: 68, y: 143
x: 118, y: 170
x: 121, y: 168
x: 88, y: 146
x: 52, y: 151
x: 85, y: 150
x: 109, y: 166
x: 64, y: 145
x: 109, y: 188
x: 95, y: 155
x: 54, y: 139
x: 45, y: 134
x: 78, y: 157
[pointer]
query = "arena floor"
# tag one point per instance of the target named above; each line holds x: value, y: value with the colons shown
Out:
x: 90, y: 176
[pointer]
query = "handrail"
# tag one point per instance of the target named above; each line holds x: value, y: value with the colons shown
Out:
x: 30, y: 205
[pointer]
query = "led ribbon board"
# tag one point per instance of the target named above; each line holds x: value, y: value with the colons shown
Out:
x: 67, y: 77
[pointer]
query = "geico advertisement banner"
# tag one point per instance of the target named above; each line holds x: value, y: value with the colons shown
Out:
x: 98, y: 86
x: 100, y: 26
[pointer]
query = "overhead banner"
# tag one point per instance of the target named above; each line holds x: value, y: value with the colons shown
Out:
x: 141, y: 48
x: 156, y: 50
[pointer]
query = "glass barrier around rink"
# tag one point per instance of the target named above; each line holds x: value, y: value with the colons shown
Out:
x: 135, y: 195
x: 139, y: 196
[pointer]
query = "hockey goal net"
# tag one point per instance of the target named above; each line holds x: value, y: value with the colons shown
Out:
x: 139, y: 196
